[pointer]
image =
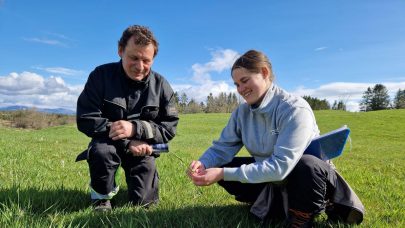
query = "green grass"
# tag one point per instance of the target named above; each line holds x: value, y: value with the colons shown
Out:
x: 42, y: 186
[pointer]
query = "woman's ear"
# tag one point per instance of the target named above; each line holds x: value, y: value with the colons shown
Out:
x: 265, y: 72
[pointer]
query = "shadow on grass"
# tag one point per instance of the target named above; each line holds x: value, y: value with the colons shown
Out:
x: 189, y: 216
x: 44, y: 201
x: 73, y: 208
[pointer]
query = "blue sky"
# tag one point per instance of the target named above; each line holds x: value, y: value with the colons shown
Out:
x: 327, y: 49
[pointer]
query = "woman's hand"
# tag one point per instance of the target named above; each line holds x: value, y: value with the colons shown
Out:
x: 195, y: 167
x: 207, y: 176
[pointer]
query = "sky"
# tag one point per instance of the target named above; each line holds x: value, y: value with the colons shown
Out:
x: 331, y: 50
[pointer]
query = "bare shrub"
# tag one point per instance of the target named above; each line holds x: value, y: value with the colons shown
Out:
x: 33, y: 119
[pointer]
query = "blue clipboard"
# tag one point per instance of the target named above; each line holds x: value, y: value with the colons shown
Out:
x: 329, y: 145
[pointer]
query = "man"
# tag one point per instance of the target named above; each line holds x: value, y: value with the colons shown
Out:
x: 126, y: 107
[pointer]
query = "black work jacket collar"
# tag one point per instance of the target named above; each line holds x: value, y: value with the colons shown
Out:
x: 134, y: 83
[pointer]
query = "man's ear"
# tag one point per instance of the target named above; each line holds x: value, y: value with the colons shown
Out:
x: 120, y: 51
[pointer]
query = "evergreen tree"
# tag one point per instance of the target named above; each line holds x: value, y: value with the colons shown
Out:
x: 176, y: 98
x: 399, y: 100
x: 316, y: 103
x: 183, y: 99
x: 339, y: 105
x: 375, y: 99
x: 202, y: 105
x: 182, y: 103
x: 381, y: 99
x: 210, y: 104
x: 365, y: 104
x: 232, y: 102
x: 334, y: 106
x: 222, y: 103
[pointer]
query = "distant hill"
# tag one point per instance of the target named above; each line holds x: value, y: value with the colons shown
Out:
x: 46, y: 110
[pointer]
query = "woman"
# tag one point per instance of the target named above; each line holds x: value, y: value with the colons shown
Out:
x: 275, y: 127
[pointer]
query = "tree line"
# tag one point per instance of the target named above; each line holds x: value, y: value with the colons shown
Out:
x: 318, y: 104
x: 223, y: 103
x: 375, y: 98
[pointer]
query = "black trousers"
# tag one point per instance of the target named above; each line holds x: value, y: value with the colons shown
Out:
x: 308, y: 186
x: 105, y: 156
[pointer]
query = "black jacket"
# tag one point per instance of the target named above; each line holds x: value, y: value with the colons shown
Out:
x: 109, y: 95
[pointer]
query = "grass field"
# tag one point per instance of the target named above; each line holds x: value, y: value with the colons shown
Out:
x: 42, y: 186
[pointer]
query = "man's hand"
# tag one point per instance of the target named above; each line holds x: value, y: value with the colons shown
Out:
x: 121, y: 129
x: 140, y: 148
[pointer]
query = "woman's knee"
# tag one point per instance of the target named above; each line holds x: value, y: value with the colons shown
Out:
x: 307, y: 161
x: 306, y: 165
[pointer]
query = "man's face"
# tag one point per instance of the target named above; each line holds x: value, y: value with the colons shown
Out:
x: 136, y: 59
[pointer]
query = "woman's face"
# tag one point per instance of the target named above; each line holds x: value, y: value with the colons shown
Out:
x: 251, y: 86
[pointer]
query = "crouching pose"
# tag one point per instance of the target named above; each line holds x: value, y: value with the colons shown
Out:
x: 125, y: 107
x: 278, y: 180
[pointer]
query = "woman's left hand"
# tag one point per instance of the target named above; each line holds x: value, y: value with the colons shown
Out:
x: 208, y: 176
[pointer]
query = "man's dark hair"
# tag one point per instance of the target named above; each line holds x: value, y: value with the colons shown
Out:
x: 143, y: 36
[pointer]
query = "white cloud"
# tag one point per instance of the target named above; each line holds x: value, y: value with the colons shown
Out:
x: 320, y: 48
x: 58, y: 35
x: 50, y: 38
x: 351, y: 93
x: 221, y: 60
x: 31, y: 89
x: 203, y: 84
x: 24, y: 83
x: 61, y: 70
x: 46, y: 41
